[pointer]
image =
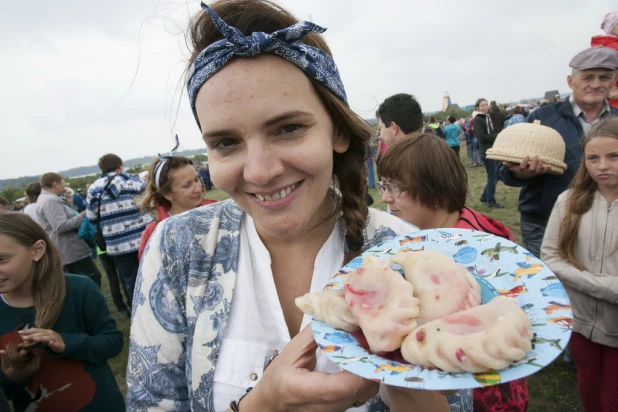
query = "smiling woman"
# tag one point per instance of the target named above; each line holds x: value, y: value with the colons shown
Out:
x: 172, y: 187
x: 215, y: 296
x: 281, y: 140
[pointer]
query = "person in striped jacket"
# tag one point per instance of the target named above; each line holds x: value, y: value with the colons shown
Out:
x: 113, y: 204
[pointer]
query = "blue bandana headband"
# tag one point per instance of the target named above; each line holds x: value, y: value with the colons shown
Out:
x: 284, y: 43
x: 163, y: 160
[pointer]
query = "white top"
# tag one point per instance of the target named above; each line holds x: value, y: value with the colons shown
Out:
x: 256, y: 326
x: 30, y: 210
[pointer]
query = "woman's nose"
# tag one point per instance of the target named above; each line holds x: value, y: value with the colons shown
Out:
x: 386, y: 197
x: 262, y: 165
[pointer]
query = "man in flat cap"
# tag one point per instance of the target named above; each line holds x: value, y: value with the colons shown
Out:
x: 592, y: 77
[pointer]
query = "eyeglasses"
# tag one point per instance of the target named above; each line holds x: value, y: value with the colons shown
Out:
x: 394, y: 189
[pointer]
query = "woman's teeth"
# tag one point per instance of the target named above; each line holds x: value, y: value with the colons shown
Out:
x: 279, y: 195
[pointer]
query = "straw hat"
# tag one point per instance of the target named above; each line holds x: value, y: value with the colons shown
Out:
x: 530, y: 139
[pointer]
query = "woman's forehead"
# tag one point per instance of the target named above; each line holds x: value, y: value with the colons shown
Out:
x: 264, y: 83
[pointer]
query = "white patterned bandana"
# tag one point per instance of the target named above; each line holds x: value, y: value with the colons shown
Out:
x: 163, y: 158
x: 284, y: 43
x: 610, y: 21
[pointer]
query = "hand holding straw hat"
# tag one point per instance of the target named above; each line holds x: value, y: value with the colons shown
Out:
x: 529, y: 150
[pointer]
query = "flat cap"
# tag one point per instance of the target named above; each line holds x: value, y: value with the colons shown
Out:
x: 595, y: 58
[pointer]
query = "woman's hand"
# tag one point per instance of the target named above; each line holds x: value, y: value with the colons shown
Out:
x: 403, y: 399
x: 18, y: 372
x: 290, y: 384
x: 45, y: 336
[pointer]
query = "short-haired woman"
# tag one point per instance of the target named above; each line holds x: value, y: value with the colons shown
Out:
x: 433, y: 197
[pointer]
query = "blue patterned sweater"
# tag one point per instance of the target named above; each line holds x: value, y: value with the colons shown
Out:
x: 182, y: 302
x: 121, y: 220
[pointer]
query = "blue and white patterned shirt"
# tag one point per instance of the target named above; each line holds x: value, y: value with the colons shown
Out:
x: 182, y: 304
x: 121, y: 220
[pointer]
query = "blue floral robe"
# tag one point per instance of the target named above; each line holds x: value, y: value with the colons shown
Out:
x: 182, y: 302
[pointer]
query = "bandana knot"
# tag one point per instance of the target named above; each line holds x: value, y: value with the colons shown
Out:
x: 285, y: 43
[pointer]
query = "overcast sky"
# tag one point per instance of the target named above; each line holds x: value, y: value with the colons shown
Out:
x: 67, y: 66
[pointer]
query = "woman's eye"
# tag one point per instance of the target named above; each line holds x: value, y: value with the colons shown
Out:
x: 291, y: 128
x: 223, y: 144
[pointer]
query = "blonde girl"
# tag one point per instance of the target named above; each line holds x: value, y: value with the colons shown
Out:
x: 580, y: 248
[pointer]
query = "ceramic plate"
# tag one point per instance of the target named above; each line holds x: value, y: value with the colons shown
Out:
x: 501, y: 267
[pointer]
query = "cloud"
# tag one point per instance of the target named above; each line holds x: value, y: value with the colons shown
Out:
x: 69, y: 92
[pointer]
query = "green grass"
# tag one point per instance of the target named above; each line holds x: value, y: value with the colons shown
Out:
x: 553, y: 389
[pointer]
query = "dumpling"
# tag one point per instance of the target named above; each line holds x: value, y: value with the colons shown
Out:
x: 330, y: 307
x: 441, y: 285
x: 486, y: 337
x: 382, y: 302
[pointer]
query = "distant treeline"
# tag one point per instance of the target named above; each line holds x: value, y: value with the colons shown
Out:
x: 20, y: 182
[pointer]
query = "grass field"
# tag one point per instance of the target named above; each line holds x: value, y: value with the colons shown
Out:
x: 554, y: 389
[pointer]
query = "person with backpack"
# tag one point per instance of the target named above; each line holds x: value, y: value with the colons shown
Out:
x: 113, y: 207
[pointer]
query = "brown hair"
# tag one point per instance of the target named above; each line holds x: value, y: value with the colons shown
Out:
x: 48, y: 283
x: 349, y: 170
x: 109, y: 163
x: 33, y: 191
x: 429, y: 169
x: 4, y: 201
x: 581, y: 196
x: 478, y: 103
x: 48, y: 179
x: 153, y: 197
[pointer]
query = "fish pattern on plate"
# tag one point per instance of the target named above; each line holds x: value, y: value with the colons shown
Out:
x: 501, y: 267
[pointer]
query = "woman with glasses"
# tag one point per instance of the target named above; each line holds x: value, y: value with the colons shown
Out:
x: 429, y: 196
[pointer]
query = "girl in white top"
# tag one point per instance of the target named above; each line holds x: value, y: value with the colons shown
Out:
x: 580, y: 247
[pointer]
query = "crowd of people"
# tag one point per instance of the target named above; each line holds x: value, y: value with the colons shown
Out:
x: 210, y: 286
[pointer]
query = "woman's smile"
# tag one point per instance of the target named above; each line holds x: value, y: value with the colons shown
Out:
x: 277, y: 194
x: 270, y: 143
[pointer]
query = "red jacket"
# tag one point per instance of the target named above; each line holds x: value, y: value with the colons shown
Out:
x: 471, y: 219
x: 511, y: 396
x: 162, y: 214
x: 607, y: 41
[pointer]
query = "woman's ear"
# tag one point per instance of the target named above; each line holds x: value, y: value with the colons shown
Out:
x: 167, y: 196
x: 38, y: 250
x: 341, y: 143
